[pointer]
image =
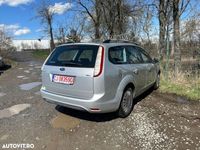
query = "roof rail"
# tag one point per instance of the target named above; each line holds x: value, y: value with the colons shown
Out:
x: 118, y: 41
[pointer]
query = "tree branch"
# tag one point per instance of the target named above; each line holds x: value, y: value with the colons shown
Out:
x: 88, y: 12
x: 183, y: 7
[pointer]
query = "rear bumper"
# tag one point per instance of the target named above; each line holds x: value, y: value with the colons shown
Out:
x: 94, y: 105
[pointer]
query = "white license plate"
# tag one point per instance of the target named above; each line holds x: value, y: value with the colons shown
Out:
x: 63, y: 79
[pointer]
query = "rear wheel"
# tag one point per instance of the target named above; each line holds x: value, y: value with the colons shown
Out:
x: 126, y: 104
x: 157, y: 83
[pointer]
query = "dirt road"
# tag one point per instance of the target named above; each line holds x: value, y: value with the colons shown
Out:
x: 158, y: 121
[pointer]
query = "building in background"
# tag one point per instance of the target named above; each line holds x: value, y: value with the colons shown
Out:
x: 31, y: 44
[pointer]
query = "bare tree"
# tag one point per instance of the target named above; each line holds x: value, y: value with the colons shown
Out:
x: 165, y: 26
x: 176, y: 35
x: 5, y: 44
x: 179, y: 6
x: 116, y: 15
x: 162, y: 13
x: 5, y: 41
x: 190, y: 30
x: 94, y: 13
x: 46, y: 17
x: 73, y: 36
x: 61, y: 34
x: 113, y: 18
x: 65, y: 30
x: 147, y: 25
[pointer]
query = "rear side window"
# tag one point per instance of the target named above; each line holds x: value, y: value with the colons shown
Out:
x: 133, y: 55
x: 145, y: 56
x: 117, y: 55
x: 128, y: 55
x: 74, y: 56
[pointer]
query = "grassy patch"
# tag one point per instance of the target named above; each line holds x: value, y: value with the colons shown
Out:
x: 10, y: 62
x: 41, y: 54
x: 189, y: 87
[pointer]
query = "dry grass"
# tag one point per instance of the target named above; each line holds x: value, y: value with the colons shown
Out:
x: 41, y: 54
x: 10, y: 62
x: 186, y: 84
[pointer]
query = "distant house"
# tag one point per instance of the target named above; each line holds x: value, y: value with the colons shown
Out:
x: 31, y: 44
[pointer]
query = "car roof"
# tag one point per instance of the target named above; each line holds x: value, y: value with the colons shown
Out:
x: 117, y: 44
x: 78, y: 44
x: 98, y: 44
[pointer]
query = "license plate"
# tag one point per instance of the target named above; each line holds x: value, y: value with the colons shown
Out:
x: 63, y: 79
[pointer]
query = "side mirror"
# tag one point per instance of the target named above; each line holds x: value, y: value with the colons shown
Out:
x: 155, y: 60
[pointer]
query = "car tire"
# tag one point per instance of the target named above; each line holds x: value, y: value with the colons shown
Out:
x: 157, y: 83
x: 126, y: 105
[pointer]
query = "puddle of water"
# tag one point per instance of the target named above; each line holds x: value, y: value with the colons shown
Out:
x: 13, y: 110
x: 38, y: 67
x: 182, y: 100
x: 25, y: 78
x: 20, y: 68
x: 29, y: 86
x: 65, y: 122
x: 26, y: 71
x: 30, y: 69
x: 2, y: 94
x: 19, y: 77
x: 33, y: 63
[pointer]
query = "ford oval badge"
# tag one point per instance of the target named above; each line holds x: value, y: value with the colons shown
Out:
x: 62, y: 69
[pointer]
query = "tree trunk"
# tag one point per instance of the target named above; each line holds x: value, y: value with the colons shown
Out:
x: 62, y: 35
x: 97, y: 32
x: 176, y: 37
x: 162, y: 24
x: 119, y: 16
x: 52, y: 44
x: 97, y: 21
x: 172, y: 50
x: 111, y: 33
x: 167, y: 52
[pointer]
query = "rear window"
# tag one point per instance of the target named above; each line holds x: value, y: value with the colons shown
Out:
x: 74, y: 56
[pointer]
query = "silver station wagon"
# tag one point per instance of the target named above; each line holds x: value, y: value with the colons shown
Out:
x: 98, y: 77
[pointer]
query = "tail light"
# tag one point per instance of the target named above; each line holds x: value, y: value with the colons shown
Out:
x: 99, y: 62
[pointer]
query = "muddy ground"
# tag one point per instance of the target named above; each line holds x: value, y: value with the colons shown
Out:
x: 158, y: 121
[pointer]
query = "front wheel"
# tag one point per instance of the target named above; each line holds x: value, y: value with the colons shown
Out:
x: 126, y: 104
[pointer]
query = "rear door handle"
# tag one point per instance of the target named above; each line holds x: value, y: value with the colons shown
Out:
x: 135, y: 71
x: 149, y: 69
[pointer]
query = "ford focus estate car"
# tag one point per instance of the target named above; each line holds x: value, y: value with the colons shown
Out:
x: 98, y: 77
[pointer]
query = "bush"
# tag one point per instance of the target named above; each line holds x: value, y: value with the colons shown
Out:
x: 5, y: 45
